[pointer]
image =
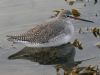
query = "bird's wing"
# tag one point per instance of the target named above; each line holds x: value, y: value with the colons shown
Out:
x: 42, y: 33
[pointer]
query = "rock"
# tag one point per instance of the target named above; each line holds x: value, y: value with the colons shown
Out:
x: 98, y: 45
x: 75, y: 13
x: 48, y: 55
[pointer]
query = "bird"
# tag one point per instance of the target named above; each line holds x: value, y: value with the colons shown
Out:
x: 52, y: 32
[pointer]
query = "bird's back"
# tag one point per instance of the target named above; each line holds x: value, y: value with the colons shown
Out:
x: 45, y: 34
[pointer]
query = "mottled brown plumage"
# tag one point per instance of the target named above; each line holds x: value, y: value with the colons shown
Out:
x: 50, y: 31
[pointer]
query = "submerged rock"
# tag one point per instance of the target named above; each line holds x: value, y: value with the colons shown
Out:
x: 49, y: 55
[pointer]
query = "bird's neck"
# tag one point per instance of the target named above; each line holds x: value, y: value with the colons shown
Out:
x: 70, y: 25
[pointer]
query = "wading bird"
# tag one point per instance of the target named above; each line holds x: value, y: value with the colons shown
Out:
x: 53, y: 32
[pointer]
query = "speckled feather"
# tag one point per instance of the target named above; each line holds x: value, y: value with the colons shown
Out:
x: 46, y: 31
x: 42, y: 33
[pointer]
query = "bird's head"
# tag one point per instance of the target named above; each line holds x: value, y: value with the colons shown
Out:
x: 64, y: 13
x: 68, y: 14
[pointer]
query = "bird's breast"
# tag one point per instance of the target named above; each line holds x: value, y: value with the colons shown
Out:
x: 69, y: 27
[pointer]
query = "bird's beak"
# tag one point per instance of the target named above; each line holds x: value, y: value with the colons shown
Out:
x: 76, y: 18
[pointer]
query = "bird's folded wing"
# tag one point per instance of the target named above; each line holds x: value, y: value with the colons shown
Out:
x: 41, y: 33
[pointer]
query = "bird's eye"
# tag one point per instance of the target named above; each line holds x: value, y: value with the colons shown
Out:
x: 67, y: 15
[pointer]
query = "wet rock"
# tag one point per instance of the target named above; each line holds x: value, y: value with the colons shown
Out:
x: 75, y: 13
x: 98, y: 45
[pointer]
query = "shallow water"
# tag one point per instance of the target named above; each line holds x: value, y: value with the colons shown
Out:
x: 20, y: 15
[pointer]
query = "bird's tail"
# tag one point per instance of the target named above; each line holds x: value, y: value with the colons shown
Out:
x: 11, y: 38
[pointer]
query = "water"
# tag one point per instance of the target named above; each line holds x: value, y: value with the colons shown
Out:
x: 20, y: 15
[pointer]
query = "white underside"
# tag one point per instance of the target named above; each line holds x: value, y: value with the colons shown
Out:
x: 53, y: 42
